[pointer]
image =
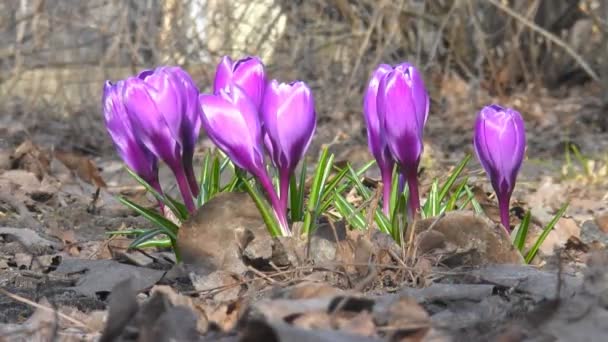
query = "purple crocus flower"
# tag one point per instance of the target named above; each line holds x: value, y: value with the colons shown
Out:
x: 129, y: 147
x: 288, y: 114
x: 375, y: 135
x: 403, y: 107
x: 247, y: 73
x: 160, y: 106
x: 232, y: 122
x: 500, y: 143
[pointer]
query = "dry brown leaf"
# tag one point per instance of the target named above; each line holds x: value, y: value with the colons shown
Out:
x: 82, y: 166
x: 224, y: 315
x: 30, y: 157
x: 361, y: 324
x: 307, y: 290
x: 313, y: 320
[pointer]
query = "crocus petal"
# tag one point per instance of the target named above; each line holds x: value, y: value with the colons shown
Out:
x: 232, y: 123
x: 165, y: 91
x: 248, y: 73
x: 401, y: 126
x: 289, y: 120
x: 132, y: 151
x: 375, y: 136
x: 191, y: 120
x: 148, y: 122
x: 500, y: 143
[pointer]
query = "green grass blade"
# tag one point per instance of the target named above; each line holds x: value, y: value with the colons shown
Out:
x: 182, y: 212
x: 394, y: 191
x: 127, y: 232
x: 532, y: 253
x: 296, y: 194
x: 522, y: 232
x: 384, y: 224
x: 581, y: 159
x: 147, y: 236
x: 158, y: 243
x: 214, y: 181
x: 324, y: 167
x: 204, y: 183
x: 471, y: 198
x: 447, y: 186
x: 349, y: 212
x: 151, y: 190
x: 451, y: 204
x: 168, y: 227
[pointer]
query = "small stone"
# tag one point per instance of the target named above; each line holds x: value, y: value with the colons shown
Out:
x: 602, y: 222
x: 467, y: 239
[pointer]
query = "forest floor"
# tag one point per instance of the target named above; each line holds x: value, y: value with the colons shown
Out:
x: 62, y: 276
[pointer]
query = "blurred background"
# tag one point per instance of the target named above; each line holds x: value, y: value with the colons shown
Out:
x: 547, y: 58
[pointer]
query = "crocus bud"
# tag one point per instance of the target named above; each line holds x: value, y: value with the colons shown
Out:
x: 403, y: 105
x: 375, y: 133
x: 500, y: 143
x: 191, y: 123
x: 157, y: 102
x: 247, y: 73
x: 129, y: 147
x: 232, y: 122
x: 288, y: 113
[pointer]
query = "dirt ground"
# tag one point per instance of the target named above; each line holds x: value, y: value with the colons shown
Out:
x: 61, y: 276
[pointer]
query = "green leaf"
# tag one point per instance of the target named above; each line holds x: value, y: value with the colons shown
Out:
x: 431, y: 207
x: 167, y: 226
x: 145, y: 237
x: 265, y: 210
x: 158, y: 243
x: 476, y: 206
x: 394, y: 191
x: 532, y: 253
x: 324, y: 167
x: 522, y: 232
x: 455, y: 197
x: 296, y: 194
x: 447, y: 186
x: 384, y: 224
x: 127, y: 232
x: 349, y: 213
x: 214, y: 181
x: 581, y: 159
x: 326, y: 199
x: 153, y: 191
x: 182, y: 213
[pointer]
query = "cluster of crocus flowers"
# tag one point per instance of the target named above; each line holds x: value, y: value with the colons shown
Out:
x: 500, y: 143
x: 247, y: 116
x: 396, y: 107
x: 155, y: 116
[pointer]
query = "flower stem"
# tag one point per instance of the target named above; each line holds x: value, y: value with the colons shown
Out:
x: 184, y: 187
x: 187, y: 161
x: 411, y: 175
x: 275, y: 202
x: 387, y: 182
x: 503, y: 206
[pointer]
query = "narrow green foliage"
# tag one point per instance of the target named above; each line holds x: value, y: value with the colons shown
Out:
x: 456, y: 195
x: 169, y: 204
x: 264, y: 208
x: 353, y: 216
x: 581, y: 159
x: 532, y: 253
x: 154, y: 243
x: 324, y: 167
x: 169, y: 228
x: 436, y: 201
x: 146, y: 237
x: 210, y: 177
x: 522, y: 232
x: 394, y: 190
x: 471, y: 198
x: 296, y: 195
x: 181, y: 212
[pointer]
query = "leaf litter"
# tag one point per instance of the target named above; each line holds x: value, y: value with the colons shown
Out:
x: 63, y: 278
